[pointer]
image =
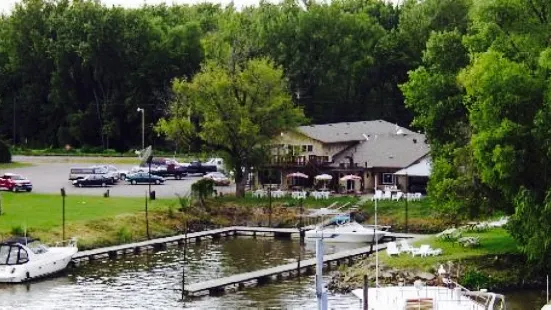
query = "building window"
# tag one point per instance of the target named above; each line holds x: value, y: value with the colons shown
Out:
x: 310, y: 148
x: 304, y: 148
x: 388, y: 178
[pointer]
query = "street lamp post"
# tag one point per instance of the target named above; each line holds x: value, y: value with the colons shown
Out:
x: 143, y: 127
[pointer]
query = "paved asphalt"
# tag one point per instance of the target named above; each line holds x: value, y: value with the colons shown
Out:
x: 50, y: 174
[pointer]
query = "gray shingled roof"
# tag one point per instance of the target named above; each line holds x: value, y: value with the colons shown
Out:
x: 386, y: 150
x: 347, y: 132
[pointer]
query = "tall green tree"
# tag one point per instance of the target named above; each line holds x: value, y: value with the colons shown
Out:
x: 239, y: 110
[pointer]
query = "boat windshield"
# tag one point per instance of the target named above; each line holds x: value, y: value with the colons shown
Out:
x: 12, y: 254
x: 37, y: 247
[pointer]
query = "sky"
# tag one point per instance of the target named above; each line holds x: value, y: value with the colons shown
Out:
x: 7, y: 5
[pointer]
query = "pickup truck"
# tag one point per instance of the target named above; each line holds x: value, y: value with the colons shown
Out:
x: 171, y: 170
x: 196, y: 167
x: 14, y: 182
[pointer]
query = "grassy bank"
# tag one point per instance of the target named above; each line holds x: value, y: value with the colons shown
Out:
x: 99, y: 221
x: 496, y: 264
x: 492, y: 242
x: 13, y: 165
x: 421, y: 217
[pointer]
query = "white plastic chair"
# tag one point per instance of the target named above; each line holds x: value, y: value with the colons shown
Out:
x: 418, y: 196
x: 378, y: 195
x: 397, y: 196
x: 387, y: 195
x: 392, y: 249
x: 405, y: 247
x: 422, y: 251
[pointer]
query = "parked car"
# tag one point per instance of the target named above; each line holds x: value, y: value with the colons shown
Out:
x: 15, y: 182
x: 144, y: 177
x: 219, y: 178
x: 92, y: 180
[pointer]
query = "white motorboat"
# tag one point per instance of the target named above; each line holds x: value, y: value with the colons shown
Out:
x: 346, y: 232
x: 23, y: 259
x: 430, y: 297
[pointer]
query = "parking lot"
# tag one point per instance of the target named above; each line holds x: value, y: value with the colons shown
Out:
x: 48, y: 176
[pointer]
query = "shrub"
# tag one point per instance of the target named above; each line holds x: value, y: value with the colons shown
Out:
x: 18, y: 230
x: 203, y: 189
x: 124, y: 235
x: 5, y: 153
x: 474, y: 279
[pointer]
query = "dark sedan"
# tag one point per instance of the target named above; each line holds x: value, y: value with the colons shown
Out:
x: 144, y: 177
x: 92, y: 180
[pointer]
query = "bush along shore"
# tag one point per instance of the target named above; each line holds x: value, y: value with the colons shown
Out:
x: 494, y: 264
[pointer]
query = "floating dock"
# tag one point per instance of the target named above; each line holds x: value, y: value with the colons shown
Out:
x: 259, y: 277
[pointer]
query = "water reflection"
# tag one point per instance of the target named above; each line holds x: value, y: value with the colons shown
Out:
x: 154, y: 280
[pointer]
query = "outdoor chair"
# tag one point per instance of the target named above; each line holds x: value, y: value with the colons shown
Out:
x: 392, y: 249
x: 387, y: 195
x: 418, y: 196
x: 397, y: 196
x: 405, y: 247
x: 378, y: 195
x: 425, y: 250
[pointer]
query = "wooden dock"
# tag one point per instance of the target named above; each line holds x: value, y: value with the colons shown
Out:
x: 160, y: 244
x: 307, y: 267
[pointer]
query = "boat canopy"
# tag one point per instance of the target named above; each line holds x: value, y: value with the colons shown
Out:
x: 339, y: 219
x: 20, y: 240
x: 13, y: 254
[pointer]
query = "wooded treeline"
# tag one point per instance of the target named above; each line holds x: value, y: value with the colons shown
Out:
x: 74, y: 72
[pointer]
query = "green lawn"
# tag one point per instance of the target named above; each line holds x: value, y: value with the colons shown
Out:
x: 43, y: 212
x: 14, y: 165
x: 397, y: 209
x: 496, y: 241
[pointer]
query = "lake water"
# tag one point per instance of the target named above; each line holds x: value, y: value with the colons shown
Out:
x: 153, y: 281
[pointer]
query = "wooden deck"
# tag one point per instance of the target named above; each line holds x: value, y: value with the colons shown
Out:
x: 161, y: 243
x: 218, y: 286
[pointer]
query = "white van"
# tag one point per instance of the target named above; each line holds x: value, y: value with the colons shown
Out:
x: 218, y: 162
x: 80, y: 173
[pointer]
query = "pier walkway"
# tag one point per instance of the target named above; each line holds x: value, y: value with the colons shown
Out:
x: 161, y: 243
x: 307, y: 267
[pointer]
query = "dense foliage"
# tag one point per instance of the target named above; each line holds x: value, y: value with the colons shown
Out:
x: 5, y: 153
x: 74, y: 72
x: 482, y: 95
x: 236, y: 109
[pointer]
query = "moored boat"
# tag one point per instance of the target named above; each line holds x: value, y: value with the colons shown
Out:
x: 342, y: 228
x: 23, y: 259
x: 420, y: 296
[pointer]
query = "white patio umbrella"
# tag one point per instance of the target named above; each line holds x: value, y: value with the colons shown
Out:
x: 350, y: 177
x: 324, y: 177
x: 297, y: 175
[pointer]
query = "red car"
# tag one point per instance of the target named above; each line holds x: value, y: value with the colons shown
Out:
x: 219, y: 178
x: 15, y: 182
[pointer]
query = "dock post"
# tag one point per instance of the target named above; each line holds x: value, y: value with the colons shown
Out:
x: 365, y: 293
x: 184, y: 262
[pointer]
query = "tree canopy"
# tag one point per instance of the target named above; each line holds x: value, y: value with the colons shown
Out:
x: 482, y: 95
x: 74, y: 72
x: 237, y: 110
